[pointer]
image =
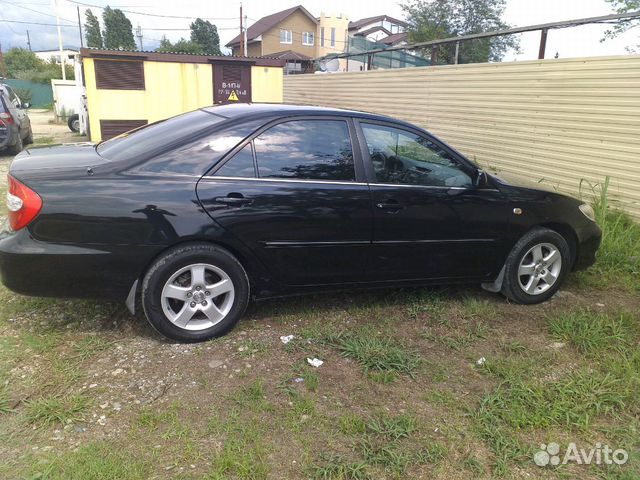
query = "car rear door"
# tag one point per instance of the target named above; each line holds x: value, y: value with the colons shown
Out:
x: 430, y: 220
x: 295, y: 194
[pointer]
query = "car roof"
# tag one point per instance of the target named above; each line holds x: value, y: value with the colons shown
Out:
x: 253, y: 110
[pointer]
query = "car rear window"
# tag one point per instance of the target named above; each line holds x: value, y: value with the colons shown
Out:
x: 151, y: 139
x: 2, y: 97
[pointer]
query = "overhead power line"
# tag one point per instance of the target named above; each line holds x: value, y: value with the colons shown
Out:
x: 153, y: 14
x: 36, y: 11
x: 38, y: 23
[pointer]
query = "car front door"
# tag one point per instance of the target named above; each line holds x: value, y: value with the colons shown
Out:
x: 431, y: 218
x: 295, y: 194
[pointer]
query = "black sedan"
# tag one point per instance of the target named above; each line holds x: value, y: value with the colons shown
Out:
x: 192, y: 217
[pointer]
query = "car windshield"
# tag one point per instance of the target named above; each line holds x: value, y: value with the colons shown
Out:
x: 155, y: 136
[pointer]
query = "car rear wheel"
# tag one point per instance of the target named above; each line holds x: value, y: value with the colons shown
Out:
x: 195, y: 292
x: 74, y: 123
x: 536, y: 267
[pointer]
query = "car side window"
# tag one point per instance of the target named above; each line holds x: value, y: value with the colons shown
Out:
x: 306, y: 149
x: 405, y: 158
x: 13, y: 98
x: 240, y: 165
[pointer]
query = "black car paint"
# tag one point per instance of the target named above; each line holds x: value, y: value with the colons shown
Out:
x: 103, y: 223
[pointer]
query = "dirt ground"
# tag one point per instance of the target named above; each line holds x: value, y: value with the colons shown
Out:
x: 449, y: 383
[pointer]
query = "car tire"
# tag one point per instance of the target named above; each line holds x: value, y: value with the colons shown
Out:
x: 536, y: 266
x: 18, y: 147
x: 74, y: 123
x: 195, y: 292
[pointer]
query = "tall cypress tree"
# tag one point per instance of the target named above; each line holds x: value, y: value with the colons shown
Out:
x: 205, y: 34
x: 92, y: 30
x: 118, y: 31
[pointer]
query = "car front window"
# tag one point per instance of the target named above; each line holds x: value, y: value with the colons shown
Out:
x: 405, y: 158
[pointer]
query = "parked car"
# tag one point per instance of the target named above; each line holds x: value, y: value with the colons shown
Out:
x: 193, y: 216
x: 15, y: 126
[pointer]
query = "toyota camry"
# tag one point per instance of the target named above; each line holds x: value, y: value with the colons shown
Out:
x: 192, y: 217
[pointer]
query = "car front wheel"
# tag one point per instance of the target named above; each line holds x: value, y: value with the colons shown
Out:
x: 195, y: 292
x: 536, y: 267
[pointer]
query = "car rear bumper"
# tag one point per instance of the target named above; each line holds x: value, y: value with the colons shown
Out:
x: 589, y: 238
x: 30, y: 267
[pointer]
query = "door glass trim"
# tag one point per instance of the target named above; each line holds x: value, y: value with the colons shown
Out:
x: 356, y: 149
x: 287, y: 180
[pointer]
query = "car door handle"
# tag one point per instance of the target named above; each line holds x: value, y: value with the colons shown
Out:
x: 235, y: 200
x: 389, y: 205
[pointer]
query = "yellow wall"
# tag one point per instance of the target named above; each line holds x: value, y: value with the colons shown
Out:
x: 266, y: 84
x: 170, y: 89
x: 341, y: 24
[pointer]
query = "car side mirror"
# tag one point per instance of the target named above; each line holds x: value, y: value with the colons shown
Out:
x: 26, y: 105
x: 481, y: 180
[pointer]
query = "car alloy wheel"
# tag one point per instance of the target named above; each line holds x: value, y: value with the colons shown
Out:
x: 539, y: 268
x: 198, y: 296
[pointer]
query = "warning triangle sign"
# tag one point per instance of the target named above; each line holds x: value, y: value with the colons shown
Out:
x: 233, y: 97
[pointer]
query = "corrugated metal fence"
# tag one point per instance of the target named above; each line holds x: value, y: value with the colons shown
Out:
x: 560, y: 121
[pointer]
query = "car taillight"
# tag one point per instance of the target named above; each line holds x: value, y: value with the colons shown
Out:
x: 6, y: 118
x: 23, y: 204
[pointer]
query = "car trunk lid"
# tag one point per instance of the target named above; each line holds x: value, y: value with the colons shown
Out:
x: 55, y: 160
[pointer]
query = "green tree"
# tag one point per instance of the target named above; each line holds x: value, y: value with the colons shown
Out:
x: 181, y: 46
x: 624, y: 6
x: 437, y: 19
x: 19, y: 60
x: 92, y: 30
x: 24, y: 65
x: 205, y: 34
x: 118, y: 32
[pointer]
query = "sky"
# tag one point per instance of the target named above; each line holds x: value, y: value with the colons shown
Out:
x: 571, y: 42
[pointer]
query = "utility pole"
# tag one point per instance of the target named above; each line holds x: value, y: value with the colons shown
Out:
x: 28, y: 40
x: 80, y: 26
x: 245, y: 36
x: 241, y: 31
x: 64, y: 73
x: 139, y: 35
x: 543, y: 43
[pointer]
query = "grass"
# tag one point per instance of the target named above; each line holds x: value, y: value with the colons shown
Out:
x: 618, y: 260
x: 336, y: 467
x: 399, y: 394
x: 384, y: 444
x: 96, y: 460
x: 593, y: 332
x: 400, y: 426
x: 44, y: 141
x: 375, y: 352
x: 89, y: 346
x: 603, y: 388
x: 244, y: 452
x: 56, y: 410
